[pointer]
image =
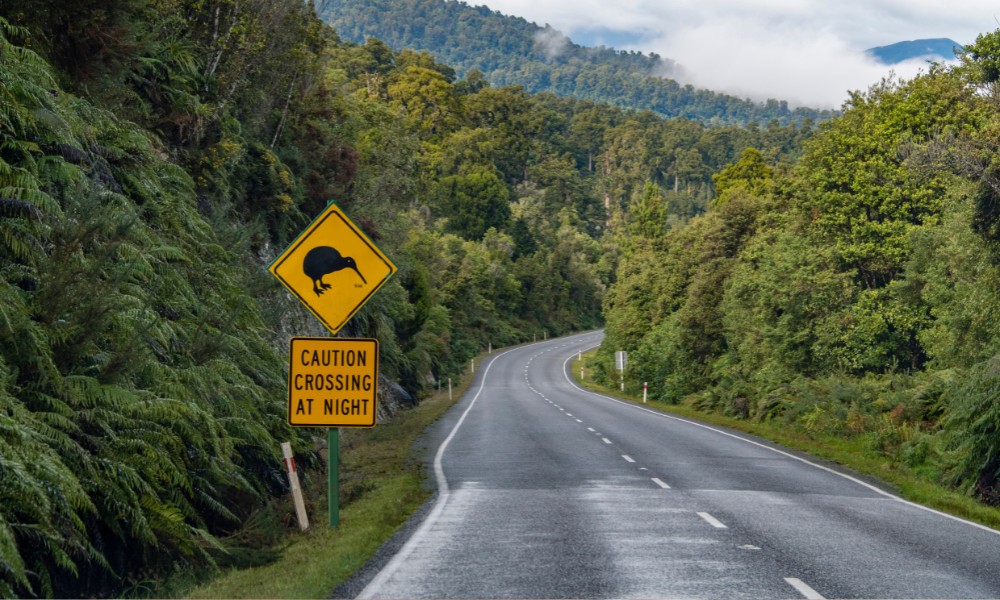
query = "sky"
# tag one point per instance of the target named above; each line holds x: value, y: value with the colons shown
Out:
x: 808, y: 52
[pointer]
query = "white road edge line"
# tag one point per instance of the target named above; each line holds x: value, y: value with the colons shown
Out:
x: 806, y: 591
x: 660, y: 483
x: 781, y: 452
x: 712, y: 520
x: 375, y: 585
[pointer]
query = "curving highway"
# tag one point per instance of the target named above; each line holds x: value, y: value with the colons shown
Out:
x: 546, y: 490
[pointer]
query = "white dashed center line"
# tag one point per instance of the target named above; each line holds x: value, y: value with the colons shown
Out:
x: 660, y: 483
x: 606, y: 440
x: 628, y: 458
x: 805, y: 590
x: 712, y: 520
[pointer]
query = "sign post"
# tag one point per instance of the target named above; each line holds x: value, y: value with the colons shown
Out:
x: 333, y: 269
x: 333, y: 383
x: 333, y: 475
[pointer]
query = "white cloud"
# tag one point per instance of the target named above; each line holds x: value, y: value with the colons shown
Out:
x: 812, y: 69
x: 551, y: 41
x: 802, y: 51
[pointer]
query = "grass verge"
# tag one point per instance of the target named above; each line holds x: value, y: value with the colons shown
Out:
x: 849, y: 452
x: 381, y: 486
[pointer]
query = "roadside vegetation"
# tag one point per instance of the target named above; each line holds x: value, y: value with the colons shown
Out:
x: 382, y: 484
x: 852, y: 295
x: 856, y: 455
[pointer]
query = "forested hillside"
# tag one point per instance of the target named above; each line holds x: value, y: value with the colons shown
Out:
x: 512, y: 51
x: 156, y: 155
x: 854, y: 293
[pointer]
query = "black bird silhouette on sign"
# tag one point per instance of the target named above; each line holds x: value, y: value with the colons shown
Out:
x: 323, y: 260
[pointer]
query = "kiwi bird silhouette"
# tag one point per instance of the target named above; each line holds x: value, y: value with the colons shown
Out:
x: 323, y: 260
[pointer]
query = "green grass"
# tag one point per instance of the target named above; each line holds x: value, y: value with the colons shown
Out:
x: 852, y: 453
x: 381, y: 485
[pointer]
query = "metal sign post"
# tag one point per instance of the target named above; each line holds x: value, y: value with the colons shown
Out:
x: 333, y: 475
x: 333, y: 269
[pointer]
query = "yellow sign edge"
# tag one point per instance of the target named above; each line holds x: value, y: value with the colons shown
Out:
x: 374, y: 392
x: 331, y: 209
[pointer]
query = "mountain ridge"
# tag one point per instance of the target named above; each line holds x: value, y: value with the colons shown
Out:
x: 513, y: 51
x: 942, y: 48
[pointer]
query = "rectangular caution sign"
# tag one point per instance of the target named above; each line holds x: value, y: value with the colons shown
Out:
x: 332, y: 382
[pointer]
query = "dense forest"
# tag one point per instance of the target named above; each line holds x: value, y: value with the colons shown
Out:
x: 156, y: 155
x: 853, y: 293
x: 512, y: 51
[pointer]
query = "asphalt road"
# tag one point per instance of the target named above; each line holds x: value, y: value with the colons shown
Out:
x: 549, y: 491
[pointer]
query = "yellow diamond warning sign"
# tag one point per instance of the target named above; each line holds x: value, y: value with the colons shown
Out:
x: 332, y: 382
x: 332, y: 268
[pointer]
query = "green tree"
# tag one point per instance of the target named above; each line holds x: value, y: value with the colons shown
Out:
x: 473, y: 203
x: 749, y: 174
x: 864, y: 197
x: 428, y: 100
x: 649, y: 212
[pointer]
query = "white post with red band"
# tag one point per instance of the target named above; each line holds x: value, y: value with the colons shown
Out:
x: 645, y: 385
x: 293, y: 480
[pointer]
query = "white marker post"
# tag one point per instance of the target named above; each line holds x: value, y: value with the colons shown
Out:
x: 645, y: 386
x: 489, y: 348
x: 621, y: 358
x: 449, y: 389
x: 472, y: 366
x: 293, y: 480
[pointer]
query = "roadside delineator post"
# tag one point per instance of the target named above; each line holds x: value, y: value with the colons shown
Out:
x: 472, y: 365
x: 293, y: 480
x: 621, y: 358
x: 449, y: 389
x: 645, y: 386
